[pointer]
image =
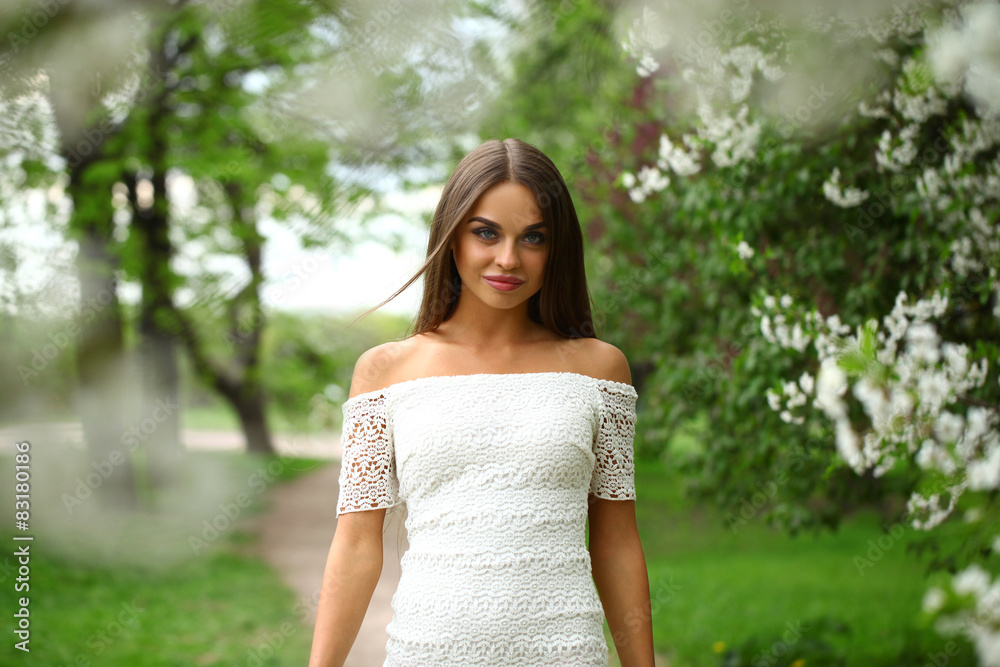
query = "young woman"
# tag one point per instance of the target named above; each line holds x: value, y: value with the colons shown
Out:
x: 502, y: 425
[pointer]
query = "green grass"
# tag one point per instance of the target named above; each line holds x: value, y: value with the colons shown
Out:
x: 712, y: 586
x: 219, y: 416
x: 213, y: 610
x: 225, y: 606
x: 209, y: 417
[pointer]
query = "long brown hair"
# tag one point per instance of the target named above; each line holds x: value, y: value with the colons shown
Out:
x: 563, y: 304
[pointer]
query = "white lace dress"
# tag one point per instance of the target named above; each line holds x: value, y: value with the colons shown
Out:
x: 495, y: 471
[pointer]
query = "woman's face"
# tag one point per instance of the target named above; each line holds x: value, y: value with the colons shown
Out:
x: 501, y: 246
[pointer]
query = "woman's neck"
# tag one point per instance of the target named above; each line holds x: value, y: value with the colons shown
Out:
x: 494, y: 331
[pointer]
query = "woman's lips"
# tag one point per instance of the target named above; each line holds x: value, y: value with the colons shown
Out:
x: 503, y: 283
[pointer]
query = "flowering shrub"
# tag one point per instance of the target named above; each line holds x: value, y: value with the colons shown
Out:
x: 845, y: 190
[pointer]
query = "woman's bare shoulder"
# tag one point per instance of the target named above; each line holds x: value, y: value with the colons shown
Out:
x: 605, y: 361
x: 379, y: 366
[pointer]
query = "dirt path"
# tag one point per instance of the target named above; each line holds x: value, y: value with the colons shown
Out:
x: 295, y: 536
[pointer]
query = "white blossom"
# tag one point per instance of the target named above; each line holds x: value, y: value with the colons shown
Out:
x: 845, y: 198
x: 966, y: 51
x: 652, y: 179
x: 847, y: 443
x: 896, y: 153
x: 774, y: 399
x: 933, y: 599
x: 806, y: 382
x: 643, y: 38
x: 923, y: 342
x: 830, y: 386
x: 734, y: 137
x: 681, y: 162
x: 984, y: 474
x: 933, y: 456
x: 973, y: 579
x: 765, y: 329
x: 948, y: 427
x: 910, y: 395
x: 649, y: 181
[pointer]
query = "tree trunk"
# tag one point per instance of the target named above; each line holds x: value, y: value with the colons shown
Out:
x: 250, y: 406
x: 105, y: 377
x: 157, y: 343
x: 247, y: 324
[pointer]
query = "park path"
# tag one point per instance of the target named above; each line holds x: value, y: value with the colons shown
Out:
x: 294, y: 537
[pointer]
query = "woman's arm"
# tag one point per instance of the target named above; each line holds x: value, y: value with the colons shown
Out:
x: 354, y: 564
x: 352, y: 571
x: 620, y: 576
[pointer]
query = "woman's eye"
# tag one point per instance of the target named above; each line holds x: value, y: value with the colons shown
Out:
x: 487, y: 234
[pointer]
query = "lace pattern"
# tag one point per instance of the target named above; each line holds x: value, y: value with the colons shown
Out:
x: 614, y: 466
x: 368, y: 464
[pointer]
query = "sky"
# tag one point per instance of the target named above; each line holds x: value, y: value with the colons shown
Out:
x: 331, y: 281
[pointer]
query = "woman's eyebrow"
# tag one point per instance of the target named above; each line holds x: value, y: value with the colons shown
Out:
x: 493, y: 224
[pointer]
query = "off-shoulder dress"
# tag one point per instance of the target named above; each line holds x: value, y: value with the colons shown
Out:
x: 495, y: 472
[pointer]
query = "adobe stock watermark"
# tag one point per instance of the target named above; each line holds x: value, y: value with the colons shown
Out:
x: 269, y: 644
x: 101, y: 640
x: 380, y: 18
x: 93, y: 137
x: 247, y: 326
x: 789, y: 638
x: 258, y: 482
x: 272, y: 641
x: 967, y: 291
x: 880, y: 201
x: 878, y: 548
x: 712, y: 30
x: 58, y: 341
x: 33, y: 22
x: 138, y: 433
x: 766, y: 491
x: 787, y: 126
x: 636, y: 278
x: 971, y: 624
x: 636, y: 618
x: 716, y: 369
x: 942, y: 658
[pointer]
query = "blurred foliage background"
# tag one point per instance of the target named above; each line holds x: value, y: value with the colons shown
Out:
x: 151, y: 153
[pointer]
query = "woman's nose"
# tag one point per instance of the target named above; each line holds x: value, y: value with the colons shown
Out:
x: 507, y: 256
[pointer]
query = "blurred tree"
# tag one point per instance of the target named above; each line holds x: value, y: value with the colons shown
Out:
x: 102, y: 363
x: 297, y: 104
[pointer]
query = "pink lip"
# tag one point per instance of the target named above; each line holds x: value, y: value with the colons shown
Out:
x: 503, y: 283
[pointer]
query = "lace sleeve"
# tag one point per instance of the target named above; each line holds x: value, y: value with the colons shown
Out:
x: 368, y: 464
x: 614, y: 467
